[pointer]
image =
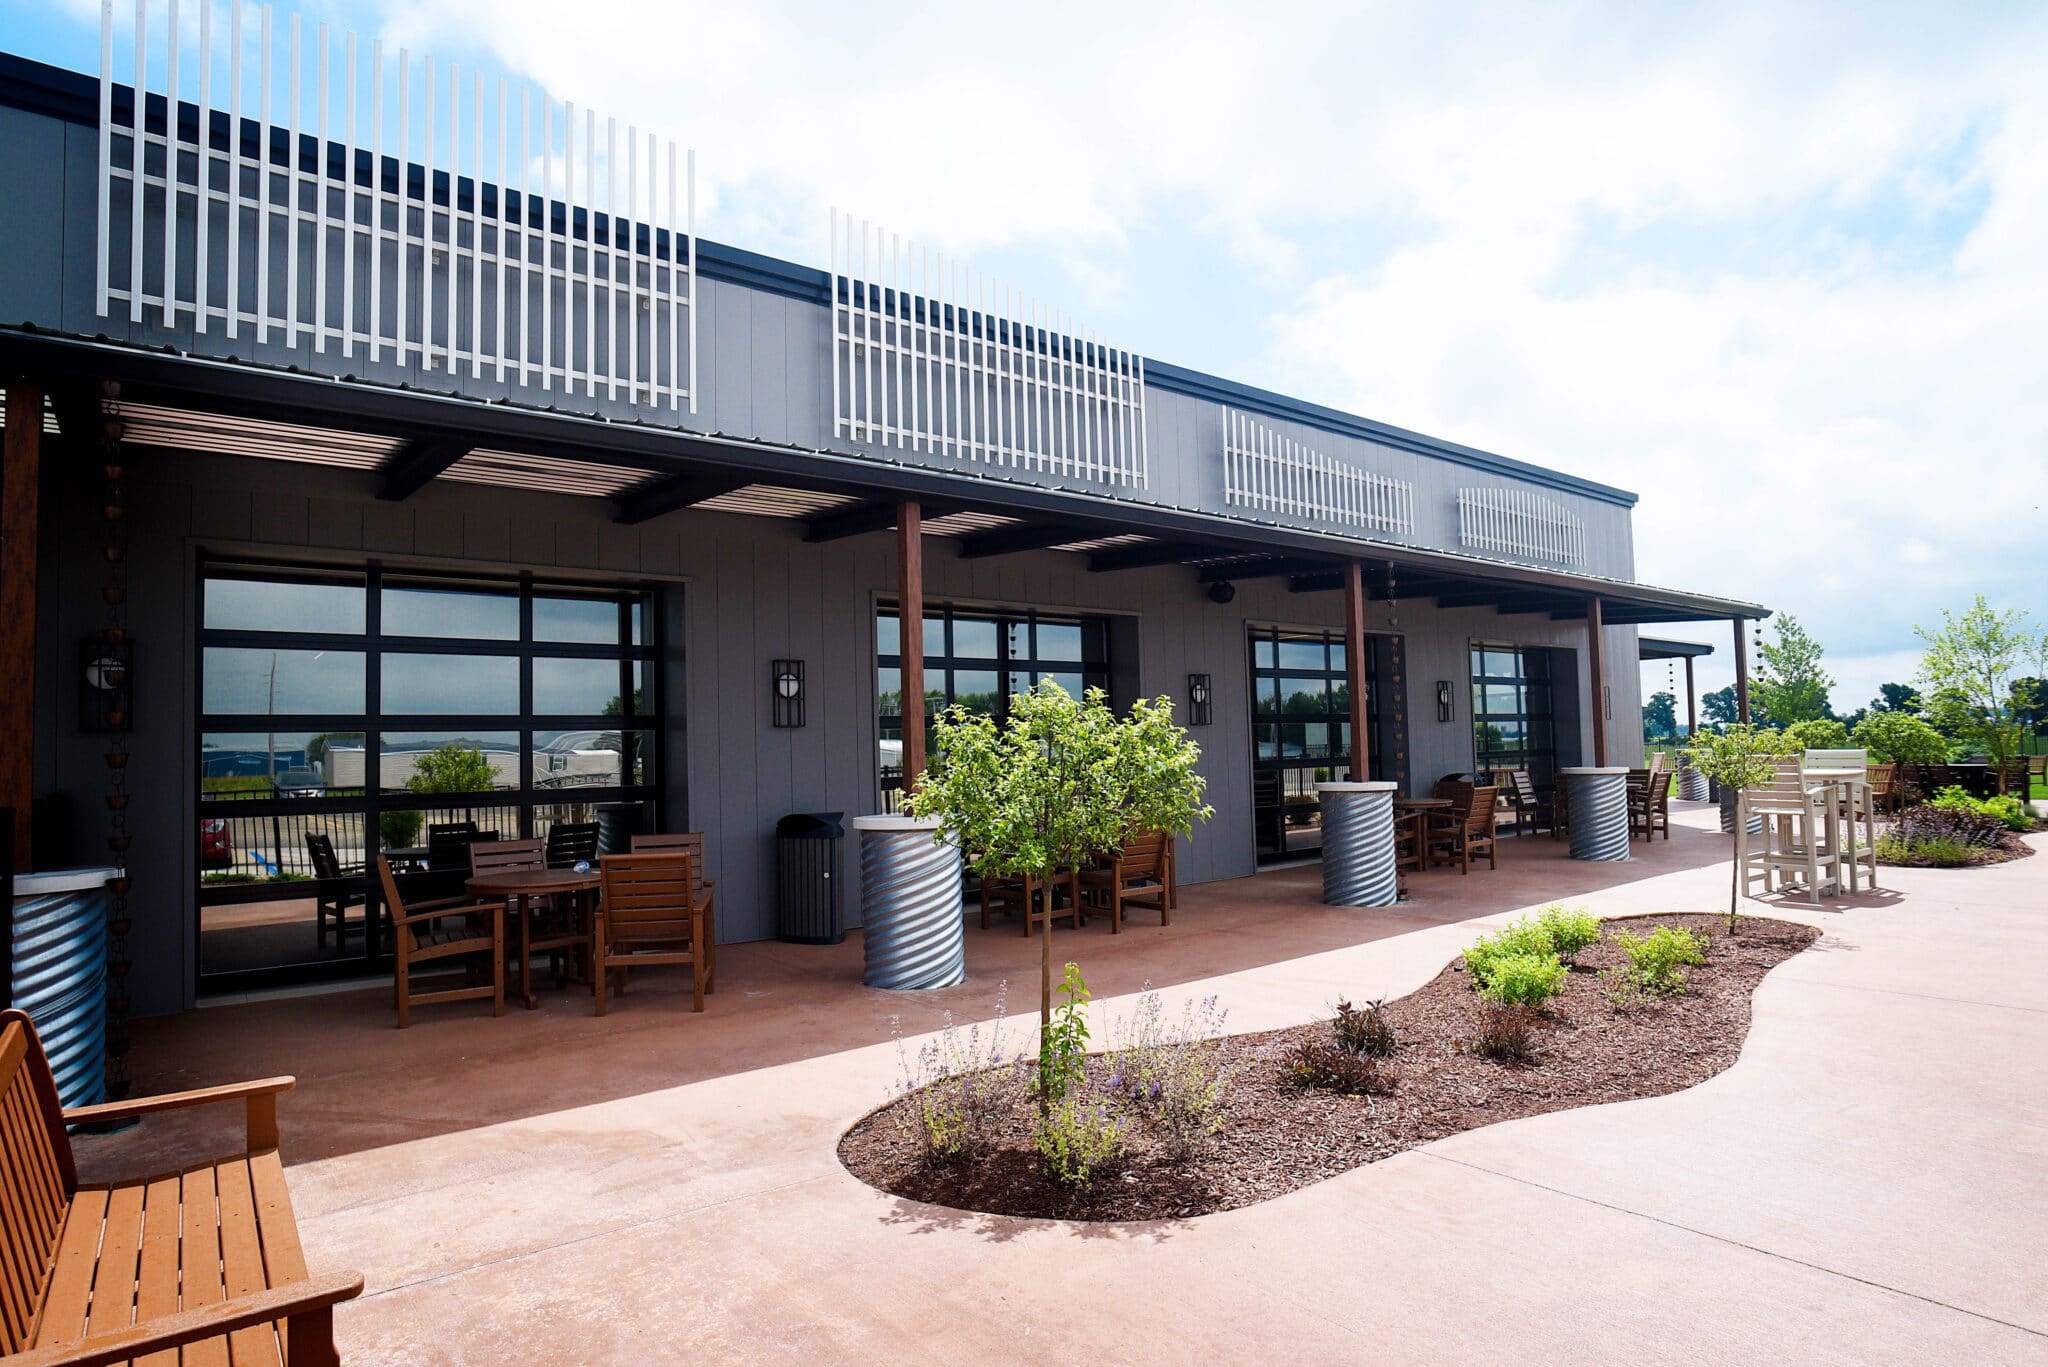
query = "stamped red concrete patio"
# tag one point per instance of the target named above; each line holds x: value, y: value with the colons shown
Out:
x: 1863, y: 1185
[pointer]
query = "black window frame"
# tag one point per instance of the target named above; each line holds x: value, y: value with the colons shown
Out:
x: 1013, y: 668
x: 1536, y: 673
x: 642, y: 715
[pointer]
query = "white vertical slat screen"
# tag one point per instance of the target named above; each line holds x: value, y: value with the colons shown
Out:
x: 1518, y: 522
x: 358, y: 242
x: 930, y: 356
x: 1270, y: 473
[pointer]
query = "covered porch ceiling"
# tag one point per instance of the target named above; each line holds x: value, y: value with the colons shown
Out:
x: 404, y: 438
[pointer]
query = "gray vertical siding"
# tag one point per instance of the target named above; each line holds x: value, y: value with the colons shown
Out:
x: 746, y: 590
x: 764, y: 362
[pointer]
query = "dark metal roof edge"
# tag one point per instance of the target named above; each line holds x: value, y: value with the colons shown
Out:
x: 1666, y: 648
x: 289, y: 395
x: 74, y: 96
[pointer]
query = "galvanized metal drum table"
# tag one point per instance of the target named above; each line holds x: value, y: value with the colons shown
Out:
x: 914, y: 924
x: 1358, y: 844
x: 1598, y: 801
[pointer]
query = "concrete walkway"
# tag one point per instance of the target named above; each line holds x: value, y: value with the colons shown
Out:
x: 1868, y: 1183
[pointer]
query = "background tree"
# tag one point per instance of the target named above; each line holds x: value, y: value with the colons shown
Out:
x: 1660, y: 717
x: 1790, y: 685
x: 1973, y: 660
x: 2030, y: 704
x: 1060, y: 779
x: 1895, y: 697
x: 1901, y: 738
x: 1719, y: 707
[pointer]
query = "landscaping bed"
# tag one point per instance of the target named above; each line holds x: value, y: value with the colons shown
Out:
x: 1274, y: 1135
x: 2004, y: 849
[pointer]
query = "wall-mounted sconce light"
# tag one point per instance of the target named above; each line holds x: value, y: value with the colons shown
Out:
x: 1443, y: 699
x: 786, y: 691
x: 1222, y: 591
x: 106, y: 683
x: 1201, y: 710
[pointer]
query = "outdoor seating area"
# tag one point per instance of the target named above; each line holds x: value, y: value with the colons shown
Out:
x: 1137, y: 876
x: 1798, y: 832
x: 651, y: 907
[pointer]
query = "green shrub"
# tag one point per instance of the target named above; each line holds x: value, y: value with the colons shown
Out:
x: 1173, y: 1071
x: 1063, y: 1044
x: 1819, y: 733
x: 1329, y: 1065
x: 1524, y: 979
x: 1523, y: 936
x: 1934, y: 852
x: 1657, y: 961
x: 1077, y: 1137
x: 1504, y: 1031
x: 398, y: 830
x: 958, y: 1088
x: 1569, y: 931
x: 2004, y: 808
x: 1363, y: 1030
x: 1900, y: 738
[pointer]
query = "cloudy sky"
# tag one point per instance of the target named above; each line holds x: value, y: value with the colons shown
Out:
x: 1777, y: 268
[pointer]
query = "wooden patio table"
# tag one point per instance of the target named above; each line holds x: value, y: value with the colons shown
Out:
x: 1417, y: 810
x: 525, y: 886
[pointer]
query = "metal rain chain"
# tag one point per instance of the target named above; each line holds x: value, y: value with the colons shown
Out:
x: 1393, y: 600
x: 114, y: 636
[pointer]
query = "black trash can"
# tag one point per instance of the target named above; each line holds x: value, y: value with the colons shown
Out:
x: 617, y: 824
x: 807, y: 878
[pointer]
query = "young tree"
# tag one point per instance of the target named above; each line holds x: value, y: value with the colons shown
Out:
x: 1660, y: 716
x: 1973, y: 660
x: 1062, y: 778
x: 1739, y: 757
x: 453, y: 768
x: 1791, y: 686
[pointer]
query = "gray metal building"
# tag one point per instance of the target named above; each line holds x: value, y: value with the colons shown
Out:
x: 448, y: 445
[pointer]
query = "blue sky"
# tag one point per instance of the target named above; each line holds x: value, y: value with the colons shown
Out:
x: 1777, y: 268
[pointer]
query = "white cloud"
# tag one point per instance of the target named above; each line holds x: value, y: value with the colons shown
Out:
x: 1777, y: 268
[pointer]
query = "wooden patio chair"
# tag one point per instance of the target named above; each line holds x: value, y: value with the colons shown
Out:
x: 1469, y: 828
x: 1649, y: 800
x: 557, y: 924
x: 205, y: 1259
x: 1884, y: 788
x: 571, y: 843
x: 1799, y: 843
x: 1028, y: 893
x: 649, y: 915
x: 1522, y: 802
x: 1408, y: 846
x: 2014, y: 777
x: 1139, y: 874
x: 332, y: 903
x: 434, y: 931
x: 703, y: 890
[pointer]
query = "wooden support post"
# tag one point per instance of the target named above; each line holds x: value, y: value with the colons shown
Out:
x: 1354, y: 669
x: 1741, y: 671
x: 910, y: 616
x: 20, y: 476
x: 1596, y: 658
x: 1692, y: 714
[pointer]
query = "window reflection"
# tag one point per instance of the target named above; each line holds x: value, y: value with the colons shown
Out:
x: 451, y: 685
x: 584, y: 687
x: 456, y: 613
x: 263, y: 683
x: 235, y: 604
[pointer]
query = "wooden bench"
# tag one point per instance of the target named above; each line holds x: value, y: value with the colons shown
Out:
x: 206, y: 1260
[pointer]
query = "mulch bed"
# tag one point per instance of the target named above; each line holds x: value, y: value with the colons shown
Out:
x: 1278, y: 1137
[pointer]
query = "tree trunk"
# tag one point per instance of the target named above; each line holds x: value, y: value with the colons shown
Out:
x: 1735, y: 870
x: 1044, y: 995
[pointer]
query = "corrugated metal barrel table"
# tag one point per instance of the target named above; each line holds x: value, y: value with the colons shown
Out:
x: 1692, y: 784
x: 1599, y: 808
x: 60, y: 974
x: 915, y: 933
x: 1358, y: 844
